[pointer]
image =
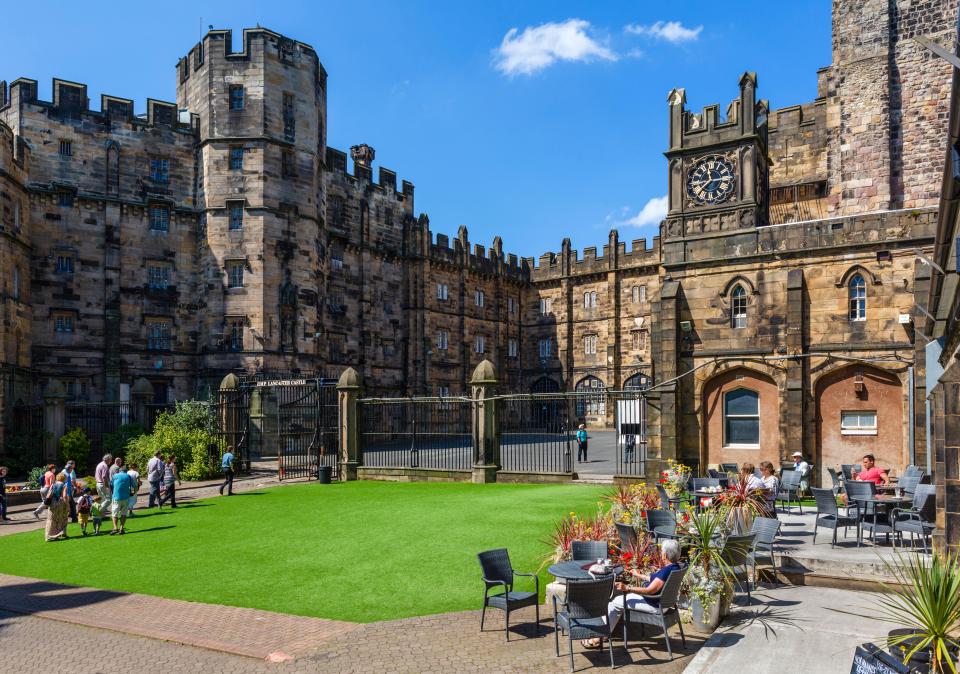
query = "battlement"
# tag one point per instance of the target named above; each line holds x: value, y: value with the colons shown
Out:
x: 70, y: 99
x: 745, y: 116
x: 796, y: 115
x: 218, y: 44
x: 386, y: 178
x: 613, y: 255
x: 456, y: 252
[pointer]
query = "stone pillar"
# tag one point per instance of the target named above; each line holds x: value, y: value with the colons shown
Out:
x: 351, y: 454
x: 486, y: 440
x: 667, y: 359
x: 140, y: 393
x: 54, y: 418
x: 793, y: 402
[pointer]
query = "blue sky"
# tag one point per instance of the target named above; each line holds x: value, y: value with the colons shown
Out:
x: 533, y: 120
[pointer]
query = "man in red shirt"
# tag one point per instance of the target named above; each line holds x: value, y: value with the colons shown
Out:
x: 870, y: 472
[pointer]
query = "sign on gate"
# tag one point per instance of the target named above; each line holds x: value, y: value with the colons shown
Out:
x: 281, y: 382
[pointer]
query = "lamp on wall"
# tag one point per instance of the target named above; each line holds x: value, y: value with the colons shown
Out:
x: 858, y: 386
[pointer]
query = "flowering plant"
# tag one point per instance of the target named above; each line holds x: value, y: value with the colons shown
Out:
x: 674, y: 478
x: 573, y: 527
x: 639, y: 558
x: 629, y: 504
x: 740, y: 505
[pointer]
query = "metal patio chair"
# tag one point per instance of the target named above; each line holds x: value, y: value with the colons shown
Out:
x: 846, y: 469
x: 765, y: 531
x: 668, y: 502
x: 836, y: 482
x: 583, y: 613
x: 628, y: 536
x: 666, y: 615
x: 662, y: 524
x: 789, y: 491
x: 736, y: 552
x: 497, y: 571
x: 828, y: 515
x: 730, y: 468
x: 919, y: 518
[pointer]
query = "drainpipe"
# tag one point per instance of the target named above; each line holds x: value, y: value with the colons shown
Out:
x: 912, y: 432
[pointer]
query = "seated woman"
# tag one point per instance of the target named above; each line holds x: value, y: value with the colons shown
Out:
x: 639, y: 598
x: 747, y: 472
x: 771, y: 483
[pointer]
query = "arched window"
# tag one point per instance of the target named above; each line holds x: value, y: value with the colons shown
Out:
x: 741, y: 418
x: 637, y: 382
x: 113, y: 168
x: 589, y: 299
x: 857, y: 291
x: 738, y: 307
x: 545, y: 385
x: 591, y: 397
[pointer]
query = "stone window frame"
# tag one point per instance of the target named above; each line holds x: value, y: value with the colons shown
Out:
x: 513, y: 348
x: 590, y: 299
x: 288, y: 163
x: 738, y: 307
x: 443, y: 340
x: 638, y: 293
x: 64, y: 321
x: 159, y: 331
x: 160, y: 170
x: 234, y: 332
x: 592, y: 396
x: 480, y: 344
x: 546, y: 306
x: 443, y: 391
x: 545, y: 347
x: 159, y: 217
x: 511, y: 305
x: 15, y: 283
x: 235, y: 158
x: 858, y: 429
x: 235, y: 269
x: 235, y: 207
x: 591, y: 342
x: 65, y: 262
x: 857, y: 298
x: 236, y: 102
x: 479, y: 299
x: 161, y: 279
x: 639, y: 338
x: 65, y: 197
x: 66, y: 148
x: 741, y: 445
x: 17, y: 224
x: 443, y: 292
x: 288, y: 115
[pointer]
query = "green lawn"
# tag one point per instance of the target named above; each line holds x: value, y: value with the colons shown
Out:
x: 359, y: 551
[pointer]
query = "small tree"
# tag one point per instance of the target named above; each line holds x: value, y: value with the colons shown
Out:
x: 75, y: 446
x: 186, y: 432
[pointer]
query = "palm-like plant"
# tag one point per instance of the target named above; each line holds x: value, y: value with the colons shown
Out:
x: 709, y: 574
x: 926, y: 599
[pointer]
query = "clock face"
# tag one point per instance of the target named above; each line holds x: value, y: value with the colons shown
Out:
x: 711, y: 180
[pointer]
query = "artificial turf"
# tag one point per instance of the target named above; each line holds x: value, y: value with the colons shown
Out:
x: 357, y: 551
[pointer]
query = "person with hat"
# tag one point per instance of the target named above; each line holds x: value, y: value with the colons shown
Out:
x: 581, y: 443
x: 803, y: 470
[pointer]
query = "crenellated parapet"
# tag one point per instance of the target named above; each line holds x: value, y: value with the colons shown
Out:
x: 362, y: 175
x: 70, y: 100
x: 614, y: 256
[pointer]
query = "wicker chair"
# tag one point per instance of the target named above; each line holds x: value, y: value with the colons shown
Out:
x: 789, y: 490
x: 662, y: 524
x: 736, y: 552
x: 497, y: 570
x: 729, y: 468
x: 868, y: 514
x: 628, y: 536
x: 837, y: 483
x: 846, y: 469
x: 583, y: 613
x: 668, y: 502
x: 920, y: 518
x: 910, y: 481
x: 589, y: 550
x: 701, y: 482
x: 667, y: 613
x: 765, y: 531
x: 828, y: 515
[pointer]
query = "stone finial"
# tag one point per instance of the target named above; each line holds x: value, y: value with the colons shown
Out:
x: 677, y: 97
x: 231, y: 381
x: 362, y: 154
x: 55, y: 389
x: 349, y: 379
x: 142, y: 388
x: 484, y: 373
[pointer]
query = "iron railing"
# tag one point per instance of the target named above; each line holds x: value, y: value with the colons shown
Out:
x: 536, y: 435
x: 416, y: 432
x: 630, y: 422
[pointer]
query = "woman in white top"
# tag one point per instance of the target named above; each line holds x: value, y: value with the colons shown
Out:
x: 748, y: 473
x: 134, y: 488
x: 772, y: 486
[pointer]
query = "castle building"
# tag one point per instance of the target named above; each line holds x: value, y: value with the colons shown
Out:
x: 220, y: 233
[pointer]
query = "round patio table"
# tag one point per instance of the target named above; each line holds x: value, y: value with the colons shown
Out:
x: 698, y: 495
x: 883, y: 499
x: 577, y: 569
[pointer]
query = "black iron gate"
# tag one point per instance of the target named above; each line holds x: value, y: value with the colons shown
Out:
x: 536, y: 434
x: 294, y: 420
x: 630, y: 419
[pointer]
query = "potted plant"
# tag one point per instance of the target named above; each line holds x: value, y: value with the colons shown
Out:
x: 708, y: 578
x: 674, y: 479
x: 925, y: 599
x: 740, y: 506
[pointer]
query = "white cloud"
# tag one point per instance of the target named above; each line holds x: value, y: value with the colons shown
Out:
x: 671, y: 31
x: 652, y: 213
x: 538, y: 47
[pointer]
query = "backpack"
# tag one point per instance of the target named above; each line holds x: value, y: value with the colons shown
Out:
x: 83, y: 505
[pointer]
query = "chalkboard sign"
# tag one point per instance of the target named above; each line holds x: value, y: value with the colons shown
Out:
x: 871, y: 660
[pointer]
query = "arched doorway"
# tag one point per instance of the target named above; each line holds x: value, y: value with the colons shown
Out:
x: 860, y: 411
x: 741, y: 419
x: 545, y: 385
x: 591, y: 399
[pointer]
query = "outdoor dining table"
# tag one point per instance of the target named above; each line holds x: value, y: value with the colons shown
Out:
x: 577, y: 569
x: 883, y: 499
x: 699, y: 495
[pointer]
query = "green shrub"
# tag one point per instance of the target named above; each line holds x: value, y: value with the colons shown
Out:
x: 35, y: 477
x: 188, y: 433
x: 75, y: 446
x: 116, y: 443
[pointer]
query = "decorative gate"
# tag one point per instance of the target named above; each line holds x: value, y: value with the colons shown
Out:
x: 630, y: 417
x: 307, y: 418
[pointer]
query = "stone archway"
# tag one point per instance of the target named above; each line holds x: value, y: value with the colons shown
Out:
x: 859, y: 410
x: 742, y: 436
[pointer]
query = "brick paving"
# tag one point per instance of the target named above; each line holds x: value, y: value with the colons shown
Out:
x: 432, y: 644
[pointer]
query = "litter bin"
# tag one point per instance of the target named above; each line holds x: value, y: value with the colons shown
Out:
x: 324, y: 473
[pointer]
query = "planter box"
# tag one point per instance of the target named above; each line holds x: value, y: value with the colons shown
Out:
x: 23, y: 497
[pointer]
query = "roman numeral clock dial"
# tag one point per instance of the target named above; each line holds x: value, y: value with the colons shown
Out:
x: 710, y: 180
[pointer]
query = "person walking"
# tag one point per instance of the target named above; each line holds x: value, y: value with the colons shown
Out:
x: 170, y: 479
x: 84, y: 506
x: 70, y: 479
x: 582, y: 443
x: 116, y: 468
x: 134, y: 488
x: 49, y: 478
x: 3, y: 494
x: 121, y: 486
x: 227, y: 465
x: 102, y: 477
x: 58, y: 512
x: 155, y: 478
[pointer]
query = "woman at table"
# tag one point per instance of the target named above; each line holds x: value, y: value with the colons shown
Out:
x: 641, y: 598
x: 748, y: 473
x: 771, y: 486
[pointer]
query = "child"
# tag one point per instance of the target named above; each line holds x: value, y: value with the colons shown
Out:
x: 96, y: 511
x: 84, y: 506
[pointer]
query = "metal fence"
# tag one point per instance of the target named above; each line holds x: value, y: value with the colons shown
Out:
x: 416, y: 432
x: 630, y: 422
x: 98, y: 419
x: 535, y: 432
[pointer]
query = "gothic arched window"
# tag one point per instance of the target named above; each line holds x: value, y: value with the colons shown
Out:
x: 857, y: 293
x: 738, y: 307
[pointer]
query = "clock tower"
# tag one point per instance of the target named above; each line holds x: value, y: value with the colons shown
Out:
x: 717, y: 174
